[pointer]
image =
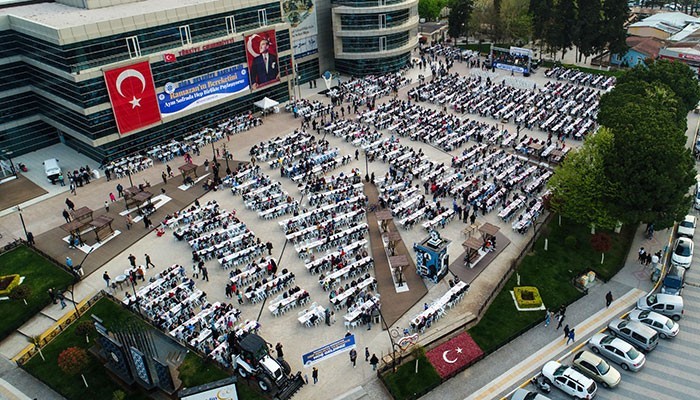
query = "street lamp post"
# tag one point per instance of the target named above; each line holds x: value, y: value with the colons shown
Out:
x: 213, y: 151
x: 366, y: 168
x: 226, y: 157
x: 24, y: 227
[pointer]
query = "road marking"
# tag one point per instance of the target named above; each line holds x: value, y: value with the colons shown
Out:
x: 522, y: 370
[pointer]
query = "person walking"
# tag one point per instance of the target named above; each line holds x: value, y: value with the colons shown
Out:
x: 69, y: 263
x: 72, y: 188
x: 106, y: 277
x: 205, y: 273
x: 608, y: 299
x: 52, y: 295
x: 62, y: 300
x: 129, y: 221
x: 70, y: 204
x: 547, y: 318
x: 66, y: 215
x: 314, y: 375
x: 112, y: 198
x: 366, y: 354
x: 106, y: 206
x: 571, y: 337
x: 132, y: 260
x: 120, y: 189
x: 374, y: 361
x: 280, y: 353
x: 353, y: 357
x: 566, y: 331
x: 269, y: 248
x: 195, y: 271
x: 164, y: 177
x: 560, y: 318
x: 148, y: 261
x: 170, y: 171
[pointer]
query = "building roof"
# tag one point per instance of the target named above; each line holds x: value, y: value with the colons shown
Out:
x: 685, y: 32
x: 670, y: 22
x: 649, y: 46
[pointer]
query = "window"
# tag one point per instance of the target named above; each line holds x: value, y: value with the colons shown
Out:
x: 132, y: 42
x: 230, y: 25
x: 382, y: 21
x: 382, y: 43
x: 262, y: 17
x: 185, y: 36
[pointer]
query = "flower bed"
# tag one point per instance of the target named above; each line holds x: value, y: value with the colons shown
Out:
x: 7, y: 283
x: 527, y: 297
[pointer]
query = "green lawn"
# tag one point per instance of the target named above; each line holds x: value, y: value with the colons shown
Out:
x: 40, y: 275
x: 405, y: 383
x: 552, y: 272
x: 195, y: 371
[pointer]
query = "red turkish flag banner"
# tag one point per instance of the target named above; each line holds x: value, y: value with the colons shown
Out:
x: 454, y: 355
x: 169, y: 57
x: 132, y: 93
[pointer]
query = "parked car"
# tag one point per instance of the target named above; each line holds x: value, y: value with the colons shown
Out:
x: 569, y: 380
x: 522, y: 394
x: 674, y: 281
x: 617, y: 351
x: 682, y: 252
x: 666, y: 327
x: 636, y: 333
x: 666, y: 304
x: 687, y: 226
x: 596, y: 368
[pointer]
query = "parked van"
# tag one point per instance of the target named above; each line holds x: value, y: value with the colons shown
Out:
x: 697, y: 184
x: 666, y: 304
x: 674, y: 281
x: 52, y: 169
x: 636, y: 333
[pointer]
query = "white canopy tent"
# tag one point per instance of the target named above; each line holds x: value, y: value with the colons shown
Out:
x: 266, y: 103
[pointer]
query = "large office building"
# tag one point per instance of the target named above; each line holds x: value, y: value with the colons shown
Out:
x: 113, y: 77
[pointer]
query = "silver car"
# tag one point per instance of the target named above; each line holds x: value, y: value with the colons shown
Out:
x: 617, y: 351
x: 666, y: 327
x: 522, y: 394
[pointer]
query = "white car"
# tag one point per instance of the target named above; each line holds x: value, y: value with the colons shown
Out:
x: 569, y: 380
x: 666, y: 327
x: 522, y: 394
x: 687, y: 226
x: 617, y: 351
x: 682, y: 252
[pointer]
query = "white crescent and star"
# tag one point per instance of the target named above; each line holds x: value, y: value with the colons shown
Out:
x: 131, y: 73
x: 447, y: 360
x: 249, y: 45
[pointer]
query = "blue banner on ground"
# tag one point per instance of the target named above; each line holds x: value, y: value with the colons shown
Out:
x: 191, y: 93
x: 330, y: 350
x: 510, y: 67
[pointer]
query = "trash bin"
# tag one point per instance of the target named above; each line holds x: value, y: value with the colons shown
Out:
x: 95, y: 174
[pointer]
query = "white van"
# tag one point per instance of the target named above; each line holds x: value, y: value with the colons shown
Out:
x: 52, y: 169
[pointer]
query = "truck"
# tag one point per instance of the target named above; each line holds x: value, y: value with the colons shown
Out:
x: 252, y: 360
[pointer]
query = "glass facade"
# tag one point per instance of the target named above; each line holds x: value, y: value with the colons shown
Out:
x: 361, y: 22
x: 361, y: 44
x: 372, y: 66
x: 366, y: 3
x: 27, y: 103
x: 308, y: 70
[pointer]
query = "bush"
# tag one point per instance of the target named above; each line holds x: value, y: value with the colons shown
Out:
x: 118, y: 395
x: 571, y: 242
x: 527, y: 297
x: 73, y: 360
x: 7, y: 283
x: 84, y: 328
x: 22, y: 292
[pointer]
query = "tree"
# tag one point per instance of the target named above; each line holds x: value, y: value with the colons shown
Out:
x: 73, y: 360
x: 588, y: 37
x: 541, y: 15
x: 21, y: 292
x: 430, y: 9
x: 579, y: 186
x: 677, y: 75
x: 460, y: 13
x: 561, y: 34
x: 602, y: 243
x: 516, y: 23
x: 648, y: 165
x: 616, y: 13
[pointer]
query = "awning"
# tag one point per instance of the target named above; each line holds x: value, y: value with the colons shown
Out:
x: 472, y: 244
x: 383, y: 215
x: 266, y: 103
x: 394, y: 236
x: 398, y: 261
x: 489, y: 229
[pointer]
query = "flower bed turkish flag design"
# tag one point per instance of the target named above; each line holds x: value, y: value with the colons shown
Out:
x: 133, y: 96
x: 453, y: 355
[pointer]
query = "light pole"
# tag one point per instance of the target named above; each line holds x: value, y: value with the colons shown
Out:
x: 226, y: 157
x: 24, y: 227
x: 76, y: 279
x: 366, y: 168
